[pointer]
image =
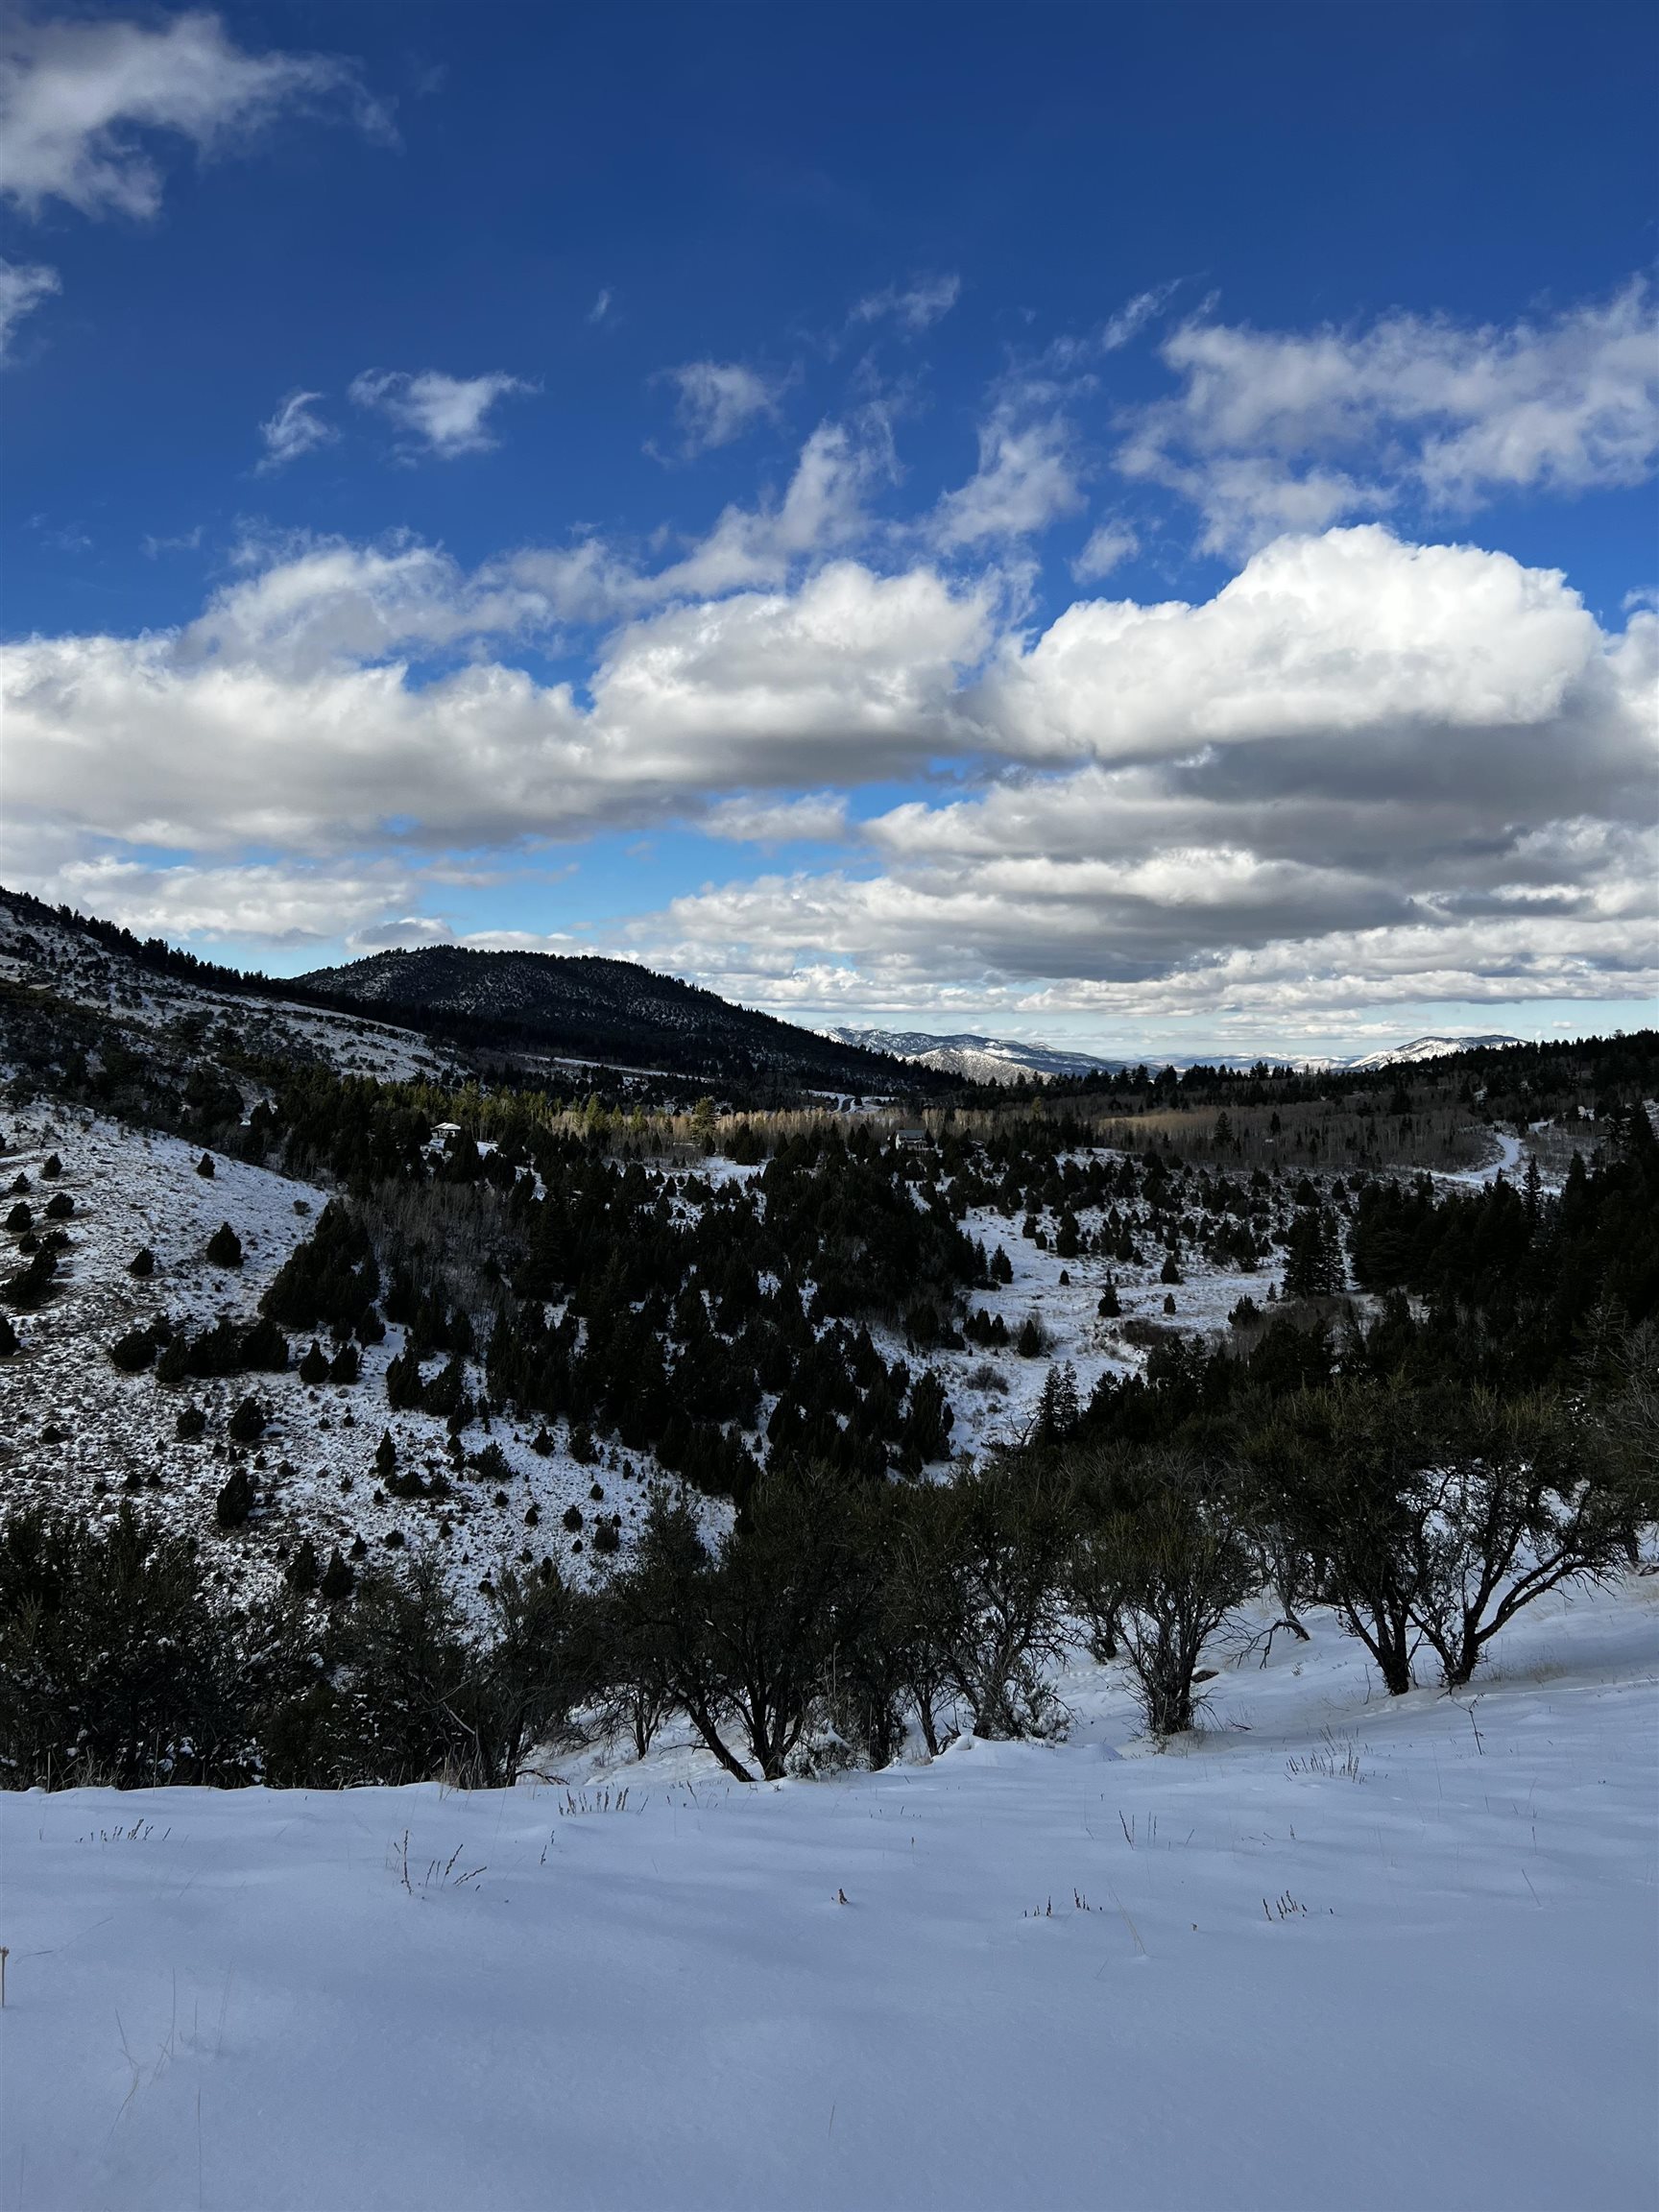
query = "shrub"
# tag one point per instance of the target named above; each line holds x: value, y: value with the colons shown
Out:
x: 1163, y: 1563
x: 134, y: 1352
x: 50, y: 1168
x: 59, y: 1206
x: 1033, y: 1339
x: 19, y: 1219
x: 205, y: 1166
x: 113, y: 1669
x: 314, y: 1366
x: 191, y: 1424
x: 142, y: 1262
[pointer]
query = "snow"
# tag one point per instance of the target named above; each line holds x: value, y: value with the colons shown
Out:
x: 147, y: 1005
x: 117, y: 1430
x: 1263, y: 1981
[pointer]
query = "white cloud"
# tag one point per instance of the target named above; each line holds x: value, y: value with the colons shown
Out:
x: 22, y: 288
x: 718, y: 401
x: 1027, y: 477
x: 294, y: 429
x: 184, y: 541
x: 74, y: 95
x: 821, y: 512
x: 601, y: 306
x: 1315, y: 637
x: 1110, y: 543
x: 1277, y: 430
x: 1365, y: 772
x: 277, y: 904
x: 1131, y: 318
x: 446, y: 416
x: 819, y: 817
x: 914, y: 306
x: 282, y: 719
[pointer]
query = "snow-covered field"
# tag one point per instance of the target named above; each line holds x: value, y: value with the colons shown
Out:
x: 1335, y: 1950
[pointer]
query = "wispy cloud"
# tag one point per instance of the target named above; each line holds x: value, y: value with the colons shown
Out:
x: 22, y: 288
x: 601, y: 306
x: 1027, y: 477
x: 914, y: 306
x: 186, y: 542
x: 293, y: 430
x: 718, y: 401
x: 1133, y: 317
x: 76, y: 95
x: 1110, y: 543
x: 446, y: 416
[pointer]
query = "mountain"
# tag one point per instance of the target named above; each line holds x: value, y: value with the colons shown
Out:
x: 607, y: 1011
x: 976, y: 1059
x: 1428, y: 1048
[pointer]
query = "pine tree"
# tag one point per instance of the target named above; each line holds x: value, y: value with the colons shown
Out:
x: 304, y: 1573
x: 234, y: 1501
x: 338, y: 1580
x: 225, y: 1246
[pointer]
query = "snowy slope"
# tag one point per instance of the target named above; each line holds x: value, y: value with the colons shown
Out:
x: 1009, y: 1060
x: 151, y: 1009
x: 1337, y: 1951
x: 75, y: 1432
x: 1432, y: 1049
x: 978, y: 1059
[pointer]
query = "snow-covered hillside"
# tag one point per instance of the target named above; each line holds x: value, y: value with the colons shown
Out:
x: 1335, y: 1950
x: 74, y: 1431
x: 977, y: 1059
x: 152, y: 1011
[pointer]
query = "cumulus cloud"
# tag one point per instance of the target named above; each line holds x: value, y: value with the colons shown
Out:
x: 718, y: 401
x: 22, y: 288
x: 1363, y: 772
x: 1453, y: 799
x: 1276, y: 430
x: 76, y: 95
x: 293, y: 430
x: 285, y: 717
x: 914, y: 306
x: 441, y: 415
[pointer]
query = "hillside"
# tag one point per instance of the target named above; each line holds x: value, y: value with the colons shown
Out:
x: 398, y: 1015
x: 607, y: 1010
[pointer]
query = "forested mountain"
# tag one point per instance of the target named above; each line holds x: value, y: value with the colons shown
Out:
x: 608, y: 1010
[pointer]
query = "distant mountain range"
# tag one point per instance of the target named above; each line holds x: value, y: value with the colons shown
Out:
x: 976, y: 1059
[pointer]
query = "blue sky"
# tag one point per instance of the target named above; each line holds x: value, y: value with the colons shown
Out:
x: 1127, y: 524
